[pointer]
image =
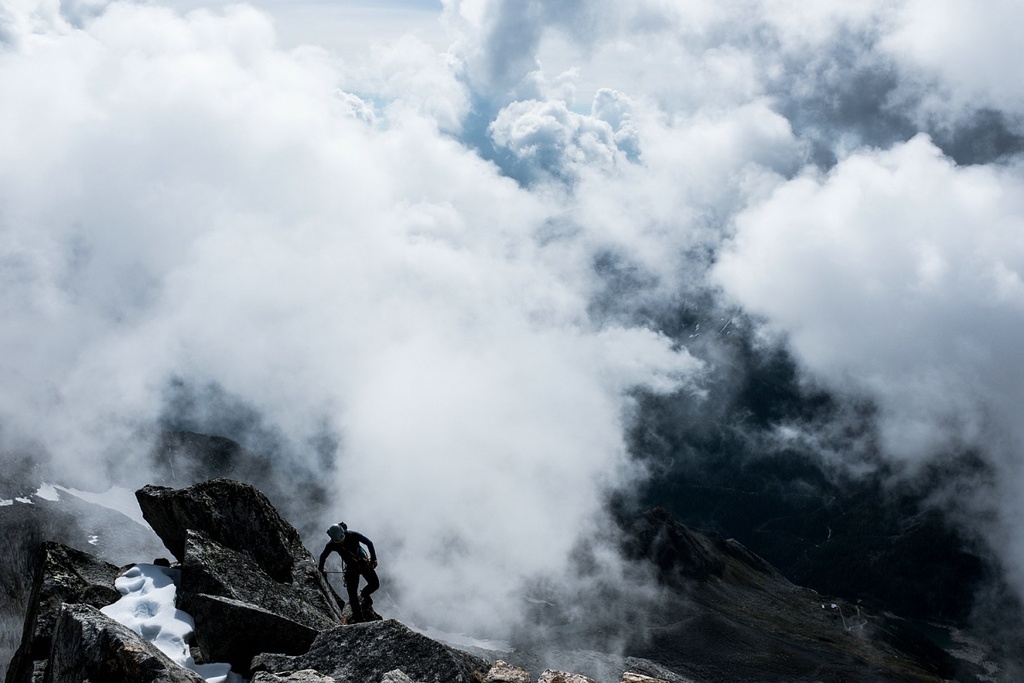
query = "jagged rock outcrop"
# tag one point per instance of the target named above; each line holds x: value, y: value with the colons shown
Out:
x: 62, y: 575
x: 365, y: 652
x: 259, y: 603
x: 630, y: 677
x: 553, y: 676
x: 233, y: 514
x: 642, y: 667
x: 89, y: 646
x: 241, y: 564
x: 396, y: 676
x: 245, y: 579
x: 210, y: 568
x: 503, y: 672
x: 304, y: 676
x: 255, y: 630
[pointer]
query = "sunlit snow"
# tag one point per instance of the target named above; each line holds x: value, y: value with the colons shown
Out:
x: 116, y: 498
x: 47, y: 492
x: 147, y: 607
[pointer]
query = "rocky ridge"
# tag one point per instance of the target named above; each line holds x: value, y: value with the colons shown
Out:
x: 257, y: 600
x: 259, y: 603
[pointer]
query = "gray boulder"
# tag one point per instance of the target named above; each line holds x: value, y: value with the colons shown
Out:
x: 368, y: 651
x: 233, y: 631
x: 503, y: 672
x: 367, y: 614
x: 630, y: 677
x: 396, y: 676
x: 555, y: 676
x: 645, y: 667
x: 210, y: 568
x: 62, y: 575
x: 236, y: 515
x: 89, y: 646
x: 304, y: 676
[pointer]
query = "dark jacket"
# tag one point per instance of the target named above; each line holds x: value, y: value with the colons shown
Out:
x: 349, y: 550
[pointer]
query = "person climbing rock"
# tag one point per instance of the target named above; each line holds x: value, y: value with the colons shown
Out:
x: 349, y: 545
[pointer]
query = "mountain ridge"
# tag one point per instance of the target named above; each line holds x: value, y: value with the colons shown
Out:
x: 727, y: 614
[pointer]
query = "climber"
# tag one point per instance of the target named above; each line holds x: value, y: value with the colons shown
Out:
x: 347, y: 544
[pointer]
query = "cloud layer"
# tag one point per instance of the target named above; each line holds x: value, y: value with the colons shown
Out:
x: 198, y: 205
x: 897, y: 275
x: 448, y: 261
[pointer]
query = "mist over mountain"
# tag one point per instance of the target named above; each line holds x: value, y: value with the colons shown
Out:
x: 481, y: 286
x: 244, y: 594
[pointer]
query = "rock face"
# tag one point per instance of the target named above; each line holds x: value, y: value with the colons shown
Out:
x: 212, y: 569
x: 304, y: 676
x: 89, y: 646
x: 366, y: 652
x: 257, y: 630
x: 234, y: 515
x: 62, y: 575
x: 646, y: 669
x: 503, y: 672
x: 630, y: 677
x: 682, y: 554
x: 241, y: 564
x: 553, y: 676
x: 252, y: 590
x: 741, y: 620
x: 55, y: 515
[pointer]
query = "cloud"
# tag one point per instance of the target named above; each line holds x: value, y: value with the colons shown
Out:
x: 963, y: 52
x: 409, y: 74
x: 546, y: 138
x: 185, y: 201
x: 894, y: 275
x: 502, y: 38
x: 898, y: 275
x: 455, y: 261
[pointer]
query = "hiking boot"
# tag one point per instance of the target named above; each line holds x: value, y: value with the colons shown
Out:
x: 365, y: 601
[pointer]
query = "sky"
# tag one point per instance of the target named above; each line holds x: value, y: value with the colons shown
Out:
x: 422, y: 243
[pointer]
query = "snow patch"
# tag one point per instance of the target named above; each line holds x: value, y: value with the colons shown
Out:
x: 147, y: 606
x: 47, y: 492
x: 115, y: 498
